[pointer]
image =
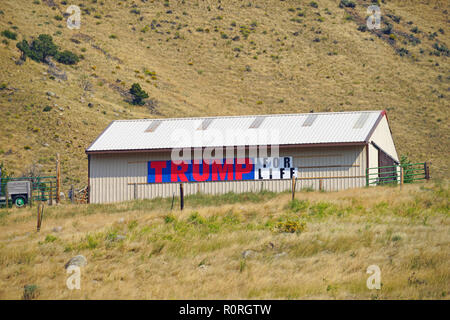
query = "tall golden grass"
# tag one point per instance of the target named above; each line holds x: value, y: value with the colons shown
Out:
x: 198, y: 253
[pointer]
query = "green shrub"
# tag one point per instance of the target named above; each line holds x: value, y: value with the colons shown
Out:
x: 132, y: 225
x: 441, y: 48
x: 362, y: 28
x: 138, y: 94
x: 195, y: 218
x: 9, y: 34
x: 394, y: 18
x: 405, y: 163
x: 90, y: 242
x: 320, y: 209
x: 387, y: 29
x: 291, y: 226
x: 50, y: 238
x: 313, y: 4
x: 298, y: 205
x: 47, y: 109
x: 169, y: 218
x: 245, y: 31
x: 403, y: 51
x: 4, y: 172
x: 67, y: 57
x: 40, y: 49
x: 347, y: 4
x: 30, y: 291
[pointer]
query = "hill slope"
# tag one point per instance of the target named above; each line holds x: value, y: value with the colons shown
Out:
x: 221, y: 58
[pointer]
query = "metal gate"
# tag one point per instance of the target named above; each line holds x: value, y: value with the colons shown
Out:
x: 397, y: 174
x: 42, y: 188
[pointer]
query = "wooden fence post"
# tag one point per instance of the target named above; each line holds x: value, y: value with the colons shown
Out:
x: 427, y: 171
x: 40, y: 213
x: 293, y: 187
x: 58, y: 178
x: 402, y: 177
x: 135, y: 191
x: 181, y: 197
x: 173, y: 198
x: 320, y: 184
x: 51, y: 193
x: 72, y: 192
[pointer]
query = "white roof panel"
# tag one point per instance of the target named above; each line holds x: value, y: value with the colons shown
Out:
x: 277, y: 129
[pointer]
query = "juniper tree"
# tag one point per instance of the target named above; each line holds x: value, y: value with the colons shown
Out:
x: 138, y: 94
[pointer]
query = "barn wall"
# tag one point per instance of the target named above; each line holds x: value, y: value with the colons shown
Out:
x: 383, y: 138
x: 112, y: 176
x: 373, y: 156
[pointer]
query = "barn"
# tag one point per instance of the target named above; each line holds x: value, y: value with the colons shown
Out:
x: 148, y: 158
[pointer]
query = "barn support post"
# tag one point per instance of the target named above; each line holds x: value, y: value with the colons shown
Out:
x: 135, y: 191
x: 181, y: 197
x: 320, y: 184
x: 58, y: 179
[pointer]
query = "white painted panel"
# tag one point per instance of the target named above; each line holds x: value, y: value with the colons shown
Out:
x: 383, y: 138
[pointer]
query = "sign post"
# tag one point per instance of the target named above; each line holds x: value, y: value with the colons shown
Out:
x: 181, y: 197
x: 293, y: 188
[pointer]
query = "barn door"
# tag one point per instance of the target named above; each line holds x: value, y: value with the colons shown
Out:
x: 388, y: 174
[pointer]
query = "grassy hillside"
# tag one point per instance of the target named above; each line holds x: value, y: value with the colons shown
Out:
x: 242, y: 248
x: 221, y: 58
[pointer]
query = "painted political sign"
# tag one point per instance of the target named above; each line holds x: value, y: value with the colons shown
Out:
x: 221, y: 170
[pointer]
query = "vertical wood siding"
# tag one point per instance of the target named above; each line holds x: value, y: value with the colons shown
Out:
x: 113, y: 175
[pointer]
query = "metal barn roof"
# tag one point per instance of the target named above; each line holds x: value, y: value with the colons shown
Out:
x: 275, y: 129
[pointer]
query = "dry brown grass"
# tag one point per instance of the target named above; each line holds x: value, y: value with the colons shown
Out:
x: 200, y: 73
x: 197, y: 254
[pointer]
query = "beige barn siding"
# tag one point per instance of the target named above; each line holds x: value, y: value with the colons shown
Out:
x: 383, y: 138
x: 113, y: 175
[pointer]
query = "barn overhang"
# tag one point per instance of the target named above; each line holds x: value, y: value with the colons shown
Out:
x: 283, y: 146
